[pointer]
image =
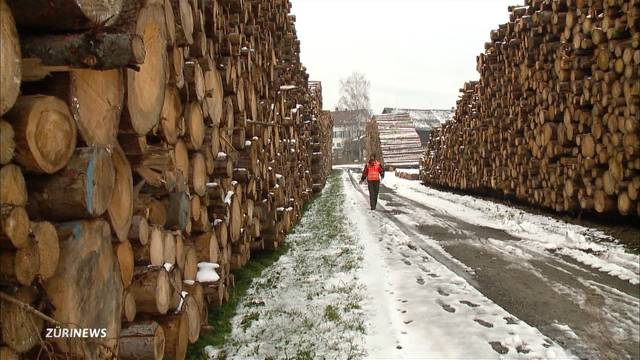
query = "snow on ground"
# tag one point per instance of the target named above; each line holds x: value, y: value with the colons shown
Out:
x: 419, y: 309
x: 409, y: 171
x: 540, y: 232
x: 355, y: 285
x: 308, y: 304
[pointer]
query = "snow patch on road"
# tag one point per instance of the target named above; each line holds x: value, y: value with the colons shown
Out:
x: 587, y: 246
x: 418, y: 308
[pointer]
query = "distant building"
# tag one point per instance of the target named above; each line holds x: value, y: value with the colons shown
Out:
x: 424, y: 120
x: 348, y: 135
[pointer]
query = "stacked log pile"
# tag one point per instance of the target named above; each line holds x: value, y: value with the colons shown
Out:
x: 555, y: 118
x: 147, y: 147
x: 394, y: 140
x: 407, y: 174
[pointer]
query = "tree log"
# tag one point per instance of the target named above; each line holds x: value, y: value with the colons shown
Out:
x: 7, y: 143
x: 19, y: 329
x: 48, y: 245
x: 10, y: 69
x: 145, y: 88
x: 176, y: 332
x: 14, y: 223
x: 82, y: 190
x: 142, y: 341
x: 69, y: 15
x: 86, y: 293
x: 124, y: 253
x: 45, y: 133
x: 152, y: 290
x: 13, y: 191
x: 101, y: 51
x: 120, y: 210
x: 22, y: 265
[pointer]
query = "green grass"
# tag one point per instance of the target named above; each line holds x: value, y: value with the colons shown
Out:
x: 331, y: 314
x: 220, y: 317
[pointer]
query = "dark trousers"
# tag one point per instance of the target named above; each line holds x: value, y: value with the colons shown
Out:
x: 374, y: 189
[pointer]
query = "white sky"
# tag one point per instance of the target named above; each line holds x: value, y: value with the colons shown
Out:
x: 416, y: 53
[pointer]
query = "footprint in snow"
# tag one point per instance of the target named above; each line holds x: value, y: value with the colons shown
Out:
x: 412, y: 247
x: 497, y: 347
x: 511, y: 321
x: 442, y: 292
x: 483, y: 323
x: 448, y: 308
x: 406, y: 262
x: 435, y: 276
x: 407, y: 322
x: 469, y: 303
x: 522, y: 349
x: 420, y: 280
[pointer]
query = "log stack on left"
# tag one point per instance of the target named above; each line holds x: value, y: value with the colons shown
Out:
x: 140, y: 142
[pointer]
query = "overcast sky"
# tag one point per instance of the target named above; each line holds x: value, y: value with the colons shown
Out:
x: 416, y: 53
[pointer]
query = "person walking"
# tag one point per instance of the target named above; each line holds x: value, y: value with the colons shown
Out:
x: 373, y: 172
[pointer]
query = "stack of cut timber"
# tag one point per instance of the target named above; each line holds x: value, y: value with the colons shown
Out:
x: 147, y: 147
x: 321, y: 140
x: 407, y: 174
x: 394, y: 140
x: 555, y: 118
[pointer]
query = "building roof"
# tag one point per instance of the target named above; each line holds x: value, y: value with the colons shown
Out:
x: 424, y: 119
x: 399, y: 141
x: 349, y: 117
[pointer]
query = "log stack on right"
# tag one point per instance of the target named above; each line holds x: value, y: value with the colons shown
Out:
x: 555, y: 118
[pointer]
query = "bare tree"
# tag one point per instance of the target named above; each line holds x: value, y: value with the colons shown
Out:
x: 354, y: 93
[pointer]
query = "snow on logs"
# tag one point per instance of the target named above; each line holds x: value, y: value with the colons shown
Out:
x: 554, y: 119
x: 147, y: 147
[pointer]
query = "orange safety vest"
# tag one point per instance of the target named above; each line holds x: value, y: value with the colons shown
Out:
x: 373, y: 172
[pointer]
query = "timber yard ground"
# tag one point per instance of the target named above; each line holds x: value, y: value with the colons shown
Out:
x: 431, y: 275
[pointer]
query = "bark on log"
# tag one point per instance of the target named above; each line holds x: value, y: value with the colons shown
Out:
x: 142, y: 340
x: 82, y: 190
x: 86, y: 293
x: 176, y: 332
x: 178, y: 211
x: 101, y: 51
x: 69, y: 15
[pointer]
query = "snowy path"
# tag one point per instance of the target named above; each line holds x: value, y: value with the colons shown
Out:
x: 432, y: 275
x: 466, y: 278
